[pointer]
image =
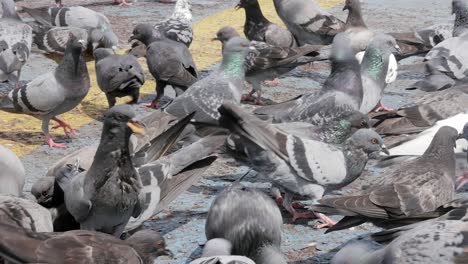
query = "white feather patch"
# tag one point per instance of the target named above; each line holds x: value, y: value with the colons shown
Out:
x: 392, y: 72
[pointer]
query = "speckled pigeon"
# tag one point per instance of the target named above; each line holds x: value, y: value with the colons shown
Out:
x: 309, y: 23
x: 408, y: 190
x: 266, y: 61
x: 15, y: 43
x: 170, y: 62
x: 12, y: 175
x: 300, y: 165
x: 252, y: 228
x: 53, y: 93
x: 179, y: 26
x: 99, y: 29
x: 118, y: 75
x: 224, y: 84
x: 259, y: 28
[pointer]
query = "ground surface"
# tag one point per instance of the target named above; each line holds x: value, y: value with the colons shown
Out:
x: 184, y: 227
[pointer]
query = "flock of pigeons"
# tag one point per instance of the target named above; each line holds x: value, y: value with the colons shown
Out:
x: 308, y: 146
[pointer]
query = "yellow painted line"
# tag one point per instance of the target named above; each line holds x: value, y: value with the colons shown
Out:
x: 22, y: 133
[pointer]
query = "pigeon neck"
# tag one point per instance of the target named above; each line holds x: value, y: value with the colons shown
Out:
x: 461, y: 23
x: 441, y: 150
x: 253, y: 14
x: 355, y: 17
x: 356, y: 160
x: 72, y: 66
x: 270, y: 254
x: 375, y: 63
x: 338, y: 131
x: 233, y: 64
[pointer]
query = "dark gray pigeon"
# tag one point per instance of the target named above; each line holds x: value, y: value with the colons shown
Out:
x: 12, y: 175
x: 118, y: 75
x: 266, y: 61
x: 53, y: 93
x: 100, y: 33
x: 80, y: 246
x: 250, y: 221
x: 408, y: 190
x: 341, y: 93
x: 309, y: 23
x: 259, y: 28
x: 460, y: 9
x: 218, y: 250
x: 224, y: 84
x: 179, y: 26
x: 24, y: 213
x: 15, y: 43
x: 300, y: 165
x: 170, y: 62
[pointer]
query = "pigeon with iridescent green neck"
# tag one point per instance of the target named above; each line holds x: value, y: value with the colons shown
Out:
x: 223, y: 85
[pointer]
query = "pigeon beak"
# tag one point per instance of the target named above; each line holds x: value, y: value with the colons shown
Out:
x: 398, y: 49
x: 166, y: 252
x: 215, y: 38
x: 345, y: 7
x: 136, y: 127
x: 385, y: 150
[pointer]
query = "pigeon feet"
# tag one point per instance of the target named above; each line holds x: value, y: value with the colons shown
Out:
x: 67, y: 129
x: 52, y: 144
x: 247, y: 98
x: 305, y: 215
x: 154, y: 104
x: 462, y: 180
x: 327, y: 222
x: 382, y: 108
x: 274, y: 82
x: 125, y: 4
x: 295, y: 205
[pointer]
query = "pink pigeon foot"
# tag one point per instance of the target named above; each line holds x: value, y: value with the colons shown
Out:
x: 327, y: 222
x: 67, y: 129
x: 305, y: 215
x: 247, y: 98
x: 124, y: 3
x: 274, y: 82
x: 154, y: 104
x: 462, y: 180
x: 382, y: 108
x: 52, y: 144
x: 259, y: 101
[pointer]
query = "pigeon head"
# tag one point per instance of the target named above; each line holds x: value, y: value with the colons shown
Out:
x: 145, y: 33
x: 43, y: 190
x: 9, y: 9
x: 122, y: 118
x: 246, y: 4
x: 225, y: 34
x: 149, y: 244
x: 352, y: 5
x: 341, y: 48
x: 101, y: 53
x: 385, y: 43
x: 237, y: 45
x: 21, y: 51
x: 358, y: 120
x: 367, y: 140
x: 443, y: 143
x: 356, y: 252
x: 217, y: 247
x: 459, y: 7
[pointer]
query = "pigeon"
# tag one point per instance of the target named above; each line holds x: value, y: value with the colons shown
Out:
x: 463, y: 179
x: 163, y: 178
x: 308, y: 22
x: 267, y: 61
x: 259, y: 28
x: 460, y: 9
x: 356, y: 28
x: 15, y: 43
x: 218, y: 250
x: 53, y: 93
x: 378, y: 68
x: 300, y: 165
x: 169, y: 61
x: 341, y: 93
x: 424, y: 112
x: 252, y: 228
x: 179, y: 26
x: 408, y: 190
x: 12, y: 175
x: 435, y: 242
x: 53, y: 40
x: 100, y: 33
x: 80, y: 246
x: 224, y: 84
x: 24, y: 213
x: 104, y: 197
x: 118, y: 75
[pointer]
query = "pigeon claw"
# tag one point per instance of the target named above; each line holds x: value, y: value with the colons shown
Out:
x: 327, y: 222
x: 462, y: 180
x: 382, y: 108
x: 272, y: 83
x: 52, y: 144
x: 67, y: 129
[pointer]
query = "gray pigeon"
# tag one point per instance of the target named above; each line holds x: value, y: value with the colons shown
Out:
x: 12, y: 175
x: 15, y: 43
x: 250, y: 221
x: 108, y: 194
x: 53, y: 93
x: 428, y: 242
x: 309, y: 23
x: 266, y: 61
x: 341, y: 93
x: 218, y: 250
x: 424, y: 112
x: 118, y: 75
x: 259, y: 28
x: 378, y: 68
x: 24, y: 213
x: 53, y: 40
x: 80, y: 246
x: 179, y: 26
x: 224, y: 84
x: 300, y: 165
x: 460, y: 9
x: 356, y: 28
x: 170, y: 62
x: 406, y: 191
x: 98, y: 25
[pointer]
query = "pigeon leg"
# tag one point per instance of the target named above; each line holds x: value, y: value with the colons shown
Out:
x: 248, y: 97
x: 135, y: 96
x: 110, y: 100
x: 159, y: 93
x: 287, y: 203
x: 67, y: 129
x: 274, y: 82
x: 382, y: 108
x: 327, y: 222
x: 52, y: 144
x: 124, y: 3
x: 462, y: 180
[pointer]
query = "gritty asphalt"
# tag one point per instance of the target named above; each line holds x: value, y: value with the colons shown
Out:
x: 183, y: 222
